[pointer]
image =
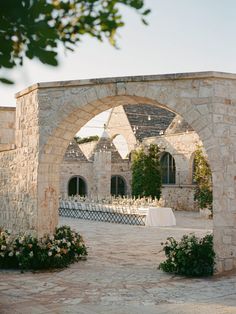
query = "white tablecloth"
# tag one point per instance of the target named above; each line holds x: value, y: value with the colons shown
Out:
x: 160, y: 217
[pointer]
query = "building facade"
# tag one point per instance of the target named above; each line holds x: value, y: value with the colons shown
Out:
x: 82, y: 168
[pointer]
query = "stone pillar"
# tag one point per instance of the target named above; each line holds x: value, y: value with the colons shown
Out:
x: 102, y: 174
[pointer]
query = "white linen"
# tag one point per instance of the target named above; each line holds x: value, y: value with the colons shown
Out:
x: 160, y: 217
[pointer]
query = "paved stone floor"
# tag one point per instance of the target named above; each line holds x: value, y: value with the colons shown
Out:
x: 119, y: 276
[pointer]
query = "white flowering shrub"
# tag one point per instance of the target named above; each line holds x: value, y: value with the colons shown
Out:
x: 27, y: 252
x: 191, y: 256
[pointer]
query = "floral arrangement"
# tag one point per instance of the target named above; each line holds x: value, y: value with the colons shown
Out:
x: 191, y: 256
x: 51, y: 251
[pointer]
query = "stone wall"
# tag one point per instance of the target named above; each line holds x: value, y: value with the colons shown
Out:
x: 7, y: 128
x: 178, y: 197
x: 87, y: 171
x: 76, y: 168
x: 123, y: 170
x: 48, y: 115
x: 181, y: 146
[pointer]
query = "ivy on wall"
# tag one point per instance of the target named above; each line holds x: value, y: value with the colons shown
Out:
x: 203, y: 180
x: 87, y: 139
x: 146, y: 172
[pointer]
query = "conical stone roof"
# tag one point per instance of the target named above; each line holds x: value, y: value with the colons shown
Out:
x: 73, y: 152
x: 105, y: 144
x: 178, y: 125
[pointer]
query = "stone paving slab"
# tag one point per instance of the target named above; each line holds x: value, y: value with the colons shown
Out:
x: 119, y: 276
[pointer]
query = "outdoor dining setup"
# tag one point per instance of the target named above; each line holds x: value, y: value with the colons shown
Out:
x: 142, y: 211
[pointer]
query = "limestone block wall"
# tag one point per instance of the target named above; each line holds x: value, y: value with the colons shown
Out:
x: 179, y: 198
x: 7, y: 128
x: 70, y: 169
x: 123, y: 170
x: 18, y: 191
x: 49, y: 114
x: 181, y: 146
x: 20, y: 209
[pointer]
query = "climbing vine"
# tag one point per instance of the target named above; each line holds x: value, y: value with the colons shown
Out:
x: 203, y: 180
x: 146, y: 172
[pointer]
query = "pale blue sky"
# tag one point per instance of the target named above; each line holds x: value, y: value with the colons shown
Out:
x: 182, y: 36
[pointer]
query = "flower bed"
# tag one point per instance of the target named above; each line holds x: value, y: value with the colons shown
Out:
x: 27, y: 252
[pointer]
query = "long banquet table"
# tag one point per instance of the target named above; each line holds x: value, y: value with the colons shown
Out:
x: 159, y: 216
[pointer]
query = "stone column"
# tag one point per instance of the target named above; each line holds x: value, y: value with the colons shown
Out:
x: 102, y: 174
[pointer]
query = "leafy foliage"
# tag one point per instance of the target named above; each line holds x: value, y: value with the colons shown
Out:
x: 203, y: 179
x: 146, y: 172
x: 191, y: 256
x: 87, y: 139
x: 34, y: 29
x: 28, y: 252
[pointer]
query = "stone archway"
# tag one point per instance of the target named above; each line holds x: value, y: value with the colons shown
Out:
x: 49, y: 114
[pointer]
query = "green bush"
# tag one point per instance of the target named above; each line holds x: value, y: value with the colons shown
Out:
x: 87, y: 139
x: 27, y: 252
x: 191, y: 256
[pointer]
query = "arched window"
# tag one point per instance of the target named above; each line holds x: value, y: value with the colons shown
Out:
x: 118, y: 186
x: 77, y: 186
x: 168, y: 169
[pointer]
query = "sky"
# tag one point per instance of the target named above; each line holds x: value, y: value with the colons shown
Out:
x: 182, y: 36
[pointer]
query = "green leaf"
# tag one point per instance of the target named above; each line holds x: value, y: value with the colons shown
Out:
x: 146, y: 12
x: 6, y: 81
x: 144, y: 21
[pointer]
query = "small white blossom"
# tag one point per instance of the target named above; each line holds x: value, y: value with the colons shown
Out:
x: 50, y: 253
x: 31, y: 254
x: 58, y: 250
x: 17, y: 253
x: 11, y: 254
x: 68, y: 244
x: 3, y: 247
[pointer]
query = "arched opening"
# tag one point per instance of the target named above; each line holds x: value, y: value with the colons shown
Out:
x: 72, y: 104
x: 77, y: 186
x: 118, y: 186
x: 168, y: 169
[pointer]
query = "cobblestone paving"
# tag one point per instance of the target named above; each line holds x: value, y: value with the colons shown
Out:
x: 119, y: 276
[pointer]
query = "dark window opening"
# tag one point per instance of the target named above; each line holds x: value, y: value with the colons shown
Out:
x: 118, y: 186
x: 77, y: 186
x: 168, y: 169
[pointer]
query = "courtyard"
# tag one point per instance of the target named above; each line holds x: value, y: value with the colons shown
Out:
x: 120, y: 275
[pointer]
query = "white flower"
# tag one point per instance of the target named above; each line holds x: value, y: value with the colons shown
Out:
x: 58, y: 250
x: 3, y: 247
x: 49, y: 253
x: 17, y: 253
x: 2, y: 254
x: 31, y: 254
x: 21, y: 240
x: 63, y: 240
x: 51, y: 238
x: 11, y: 254
x: 68, y: 244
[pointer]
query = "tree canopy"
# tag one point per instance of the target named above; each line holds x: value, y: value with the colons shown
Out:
x: 34, y: 29
x: 146, y: 172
